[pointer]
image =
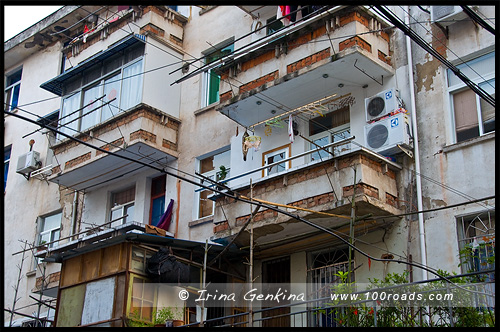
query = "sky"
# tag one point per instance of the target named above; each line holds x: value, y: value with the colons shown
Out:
x: 19, y: 18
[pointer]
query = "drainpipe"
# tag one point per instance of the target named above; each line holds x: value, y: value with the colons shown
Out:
x: 73, y: 217
x: 421, y: 229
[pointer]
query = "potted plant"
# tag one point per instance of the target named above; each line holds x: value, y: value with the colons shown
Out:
x: 168, y: 316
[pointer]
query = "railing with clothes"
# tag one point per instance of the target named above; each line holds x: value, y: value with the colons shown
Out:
x: 321, y: 312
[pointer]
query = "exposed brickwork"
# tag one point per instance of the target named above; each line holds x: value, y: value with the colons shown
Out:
x: 78, y: 160
x: 259, y: 82
x: 109, y: 146
x: 257, y: 60
x: 361, y: 188
x: 304, y: 39
x: 152, y: 29
x: 226, y: 96
x: 221, y: 227
x: 391, y: 200
x: 177, y: 41
x: 56, y: 169
x: 383, y: 57
x: 439, y: 40
x: 355, y: 41
x: 143, y: 134
x: 169, y: 145
x: 352, y: 17
x: 309, y: 60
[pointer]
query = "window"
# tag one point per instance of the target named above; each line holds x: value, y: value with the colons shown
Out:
x: 6, y: 162
x: 122, y: 205
x: 323, y: 267
x: 50, y: 228
x: 118, y: 77
x: 13, y: 86
x: 476, y: 236
x: 472, y: 116
x: 212, y: 78
x: 157, y: 199
x: 331, y: 127
x: 215, y: 167
x: 274, y: 156
x: 142, y: 300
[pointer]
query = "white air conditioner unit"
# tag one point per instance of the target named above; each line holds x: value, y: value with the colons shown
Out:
x: 28, y: 162
x: 381, y: 104
x: 385, y: 135
x: 447, y: 15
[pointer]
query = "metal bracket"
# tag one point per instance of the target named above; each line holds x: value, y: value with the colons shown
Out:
x: 407, y: 151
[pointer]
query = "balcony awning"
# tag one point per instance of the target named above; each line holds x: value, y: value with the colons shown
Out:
x: 55, y: 85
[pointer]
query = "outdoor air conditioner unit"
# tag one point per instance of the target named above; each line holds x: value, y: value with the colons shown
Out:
x: 447, y: 15
x: 28, y: 162
x: 381, y: 104
x: 385, y: 135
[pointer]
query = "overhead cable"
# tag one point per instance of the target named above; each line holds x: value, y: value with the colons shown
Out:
x: 422, y: 43
x: 252, y: 202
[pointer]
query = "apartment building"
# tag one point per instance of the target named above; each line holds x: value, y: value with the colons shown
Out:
x: 283, y: 150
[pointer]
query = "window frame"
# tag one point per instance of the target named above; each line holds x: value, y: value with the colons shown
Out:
x: 207, y: 86
x: 163, y: 181
x: 287, y: 149
x: 454, y: 87
x: 6, y: 165
x: 123, y: 207
x: 211, y: 174
x: 42, y: 231
x: 10, y: 89
x: 105, y: 74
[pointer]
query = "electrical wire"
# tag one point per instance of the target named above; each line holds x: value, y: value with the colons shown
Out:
x: 422, y: 43
x: 252, y: 202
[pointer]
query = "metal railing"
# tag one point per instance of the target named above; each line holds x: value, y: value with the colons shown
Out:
x: 321, y: 312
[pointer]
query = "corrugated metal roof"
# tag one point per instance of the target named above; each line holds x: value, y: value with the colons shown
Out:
x: 56, y: 84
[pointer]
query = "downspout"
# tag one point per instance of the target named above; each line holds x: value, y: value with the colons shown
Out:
x: 73, y: 217
x: 421, y: 228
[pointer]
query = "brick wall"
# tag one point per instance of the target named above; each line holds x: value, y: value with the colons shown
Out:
x: 259, y: 82
x: 307, y: 61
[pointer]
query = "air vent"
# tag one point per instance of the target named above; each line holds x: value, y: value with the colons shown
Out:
x: 381, y: 104
x: 385, y: 135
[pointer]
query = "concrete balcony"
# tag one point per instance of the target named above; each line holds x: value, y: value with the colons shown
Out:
x: 296, y: 65
x: 321, y: 193
x: 142, y: 133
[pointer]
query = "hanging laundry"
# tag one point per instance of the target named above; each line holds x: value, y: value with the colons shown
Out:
x: 253, y: 141
x: 290, y: 128
x: 245, y: 147
x: 165, y: 219
x: 281, y: 14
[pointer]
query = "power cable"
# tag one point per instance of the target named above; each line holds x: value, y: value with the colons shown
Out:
x: 477, y: 19
x: 446, y: 46
x: 239, y: 198
x: 422, y: 43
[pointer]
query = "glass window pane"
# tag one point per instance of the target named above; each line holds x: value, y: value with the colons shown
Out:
x: 111, y: 90
x: 206, y: 205
x: 92, y: 113
x: 157, y: 210
x: 129, y: 210
x: 466, y: 123
x: 487, y: 110
x: 15, y: 97
x: 52, y: 222
x: 320, y: 154
x: 131, y: 86
x: 70, y: 122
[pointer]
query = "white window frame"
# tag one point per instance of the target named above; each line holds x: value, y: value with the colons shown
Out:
x: 334, y: 135
x: 286, y: 149
x: 54, y: 233
x: 121, y: 207
x: 11, y: 88
x: 100, y: 82
x: 483, y: 80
